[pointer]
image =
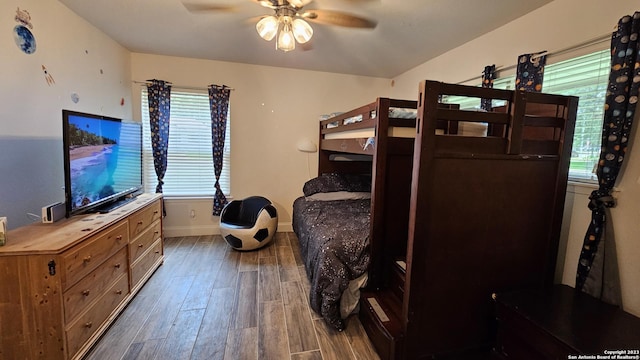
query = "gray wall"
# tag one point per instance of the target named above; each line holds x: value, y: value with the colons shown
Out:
x: 31, y: 176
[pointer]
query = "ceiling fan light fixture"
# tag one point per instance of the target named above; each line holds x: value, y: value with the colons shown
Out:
x: 302, y: 31
x: 286, y: 41
x: 267, y: 27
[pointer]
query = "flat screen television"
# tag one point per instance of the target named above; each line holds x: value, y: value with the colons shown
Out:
x: 102, y: 162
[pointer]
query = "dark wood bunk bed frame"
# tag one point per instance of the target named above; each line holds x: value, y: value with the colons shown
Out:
x: 468, y: 216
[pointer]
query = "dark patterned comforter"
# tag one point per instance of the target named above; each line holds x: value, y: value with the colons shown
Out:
x: 334, y: 241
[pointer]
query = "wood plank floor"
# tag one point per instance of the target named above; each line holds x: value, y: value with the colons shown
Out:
x: 210, y: 302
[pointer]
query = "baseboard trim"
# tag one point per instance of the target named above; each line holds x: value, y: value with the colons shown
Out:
x: 177, y: 231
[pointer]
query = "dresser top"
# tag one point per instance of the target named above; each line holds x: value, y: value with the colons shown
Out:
x: 56, y: 237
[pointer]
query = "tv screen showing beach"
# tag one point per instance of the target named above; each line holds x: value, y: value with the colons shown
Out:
x: 104, y: 159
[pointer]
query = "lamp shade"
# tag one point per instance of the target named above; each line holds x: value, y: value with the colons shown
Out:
x: 267, y: 27
x: 302, y: 31
x: 299, y: 3
x: 286, y: 41
x: 306, y: 145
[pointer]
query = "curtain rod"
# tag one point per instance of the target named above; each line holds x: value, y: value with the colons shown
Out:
x: 587, y: 43
x: 180, y: 87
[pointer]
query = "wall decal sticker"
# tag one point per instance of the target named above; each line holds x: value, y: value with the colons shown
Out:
x: 21, y: 33
x: 24, y: 18
x: 48, y: 76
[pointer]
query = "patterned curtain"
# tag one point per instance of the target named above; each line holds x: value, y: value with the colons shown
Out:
x: 597, y: 269
x: 530, y: 71
x: 488, y: 75
x: 219, y: 103
x: 159, y: 95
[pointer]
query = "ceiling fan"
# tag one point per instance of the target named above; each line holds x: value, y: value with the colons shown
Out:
x: 289, y: 20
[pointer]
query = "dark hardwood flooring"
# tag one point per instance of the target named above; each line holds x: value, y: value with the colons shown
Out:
x: 208, y: 301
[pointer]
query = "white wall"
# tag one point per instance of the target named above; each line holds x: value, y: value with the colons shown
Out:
x: 558, y: 25
x: 271, y: 110
x: 80, y: 59
x: 555, y: 26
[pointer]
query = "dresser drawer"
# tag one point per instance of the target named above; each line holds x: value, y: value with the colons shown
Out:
x: 146, y: 262
x: 90, y: 321
x: 92, y: 286
x: 82, y: 259
x: 140, y: 244
x: 140, y: 221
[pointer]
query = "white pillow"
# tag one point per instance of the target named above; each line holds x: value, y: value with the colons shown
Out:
x: 338, y: 195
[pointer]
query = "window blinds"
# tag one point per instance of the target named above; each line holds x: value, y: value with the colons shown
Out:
x: 189, y: 160
x: 587, y: 78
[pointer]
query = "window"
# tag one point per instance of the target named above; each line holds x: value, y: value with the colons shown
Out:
x: 189, y: 159
x: 586, y: 77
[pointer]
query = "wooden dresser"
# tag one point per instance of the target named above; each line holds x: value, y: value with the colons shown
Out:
x: 63, y: 284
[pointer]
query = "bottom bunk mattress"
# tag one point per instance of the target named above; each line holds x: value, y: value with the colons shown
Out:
x: 334, y: 242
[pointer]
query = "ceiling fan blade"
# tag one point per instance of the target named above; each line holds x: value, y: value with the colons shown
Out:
x: 200, y: 7
x: 253, y: 20
x: 338, y: 18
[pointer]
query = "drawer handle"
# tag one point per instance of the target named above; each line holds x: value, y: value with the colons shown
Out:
x: 140, y: 245
x: 155, y: 212
x: 117, y: 266
x: 140, y: 222
x: 119, y: 237
x: 156, y: 232
x: 87, y: 259
x: 86, y: 292
x: 119, y: 292
x: 88, y: 325
x: 157, y: 251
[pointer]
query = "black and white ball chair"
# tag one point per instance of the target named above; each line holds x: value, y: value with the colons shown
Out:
x: 248, y: 224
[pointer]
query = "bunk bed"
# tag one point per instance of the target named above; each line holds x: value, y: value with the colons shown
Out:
x: 337, y: 231
x: 453, y: 217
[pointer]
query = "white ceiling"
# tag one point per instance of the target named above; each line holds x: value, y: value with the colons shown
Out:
x: 408, y: 32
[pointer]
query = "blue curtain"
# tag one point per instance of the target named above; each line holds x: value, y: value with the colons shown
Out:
x: 219, y: 103
x: 159, y: 96
x: 597, y: 268
x: 488, y: 75
x: 530, y: 71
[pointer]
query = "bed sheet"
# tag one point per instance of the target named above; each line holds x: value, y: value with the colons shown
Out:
x: 334, y: 242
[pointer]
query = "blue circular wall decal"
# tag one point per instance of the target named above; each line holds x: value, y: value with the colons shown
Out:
x: 24, y: 39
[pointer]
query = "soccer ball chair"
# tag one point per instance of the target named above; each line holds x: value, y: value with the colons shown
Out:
x: 248, y: 224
